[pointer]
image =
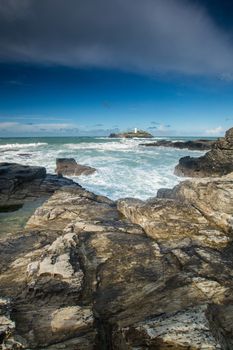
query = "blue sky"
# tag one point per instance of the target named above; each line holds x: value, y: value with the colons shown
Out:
x: 53, y: 86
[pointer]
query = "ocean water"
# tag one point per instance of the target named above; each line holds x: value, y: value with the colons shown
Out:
x: 124, y: 168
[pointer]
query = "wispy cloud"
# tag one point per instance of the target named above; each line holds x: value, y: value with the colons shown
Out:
x: 160, y: 129
x: 52, y: 129
x: 23, y: 128
x: 33, y: 117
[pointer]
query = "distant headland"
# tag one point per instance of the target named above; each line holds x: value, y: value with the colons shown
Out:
x: 131, y: 134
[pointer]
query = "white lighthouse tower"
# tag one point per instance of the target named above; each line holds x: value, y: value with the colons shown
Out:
x: 135, y: 130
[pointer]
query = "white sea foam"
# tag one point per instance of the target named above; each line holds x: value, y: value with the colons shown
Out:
x: 124, y: 169
x: 105, y: 146
x: 18, y: 146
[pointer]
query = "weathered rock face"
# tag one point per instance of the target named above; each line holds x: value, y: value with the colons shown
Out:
x: 87, y: 274
x: 190, y: 328
x: 69, y: 166
x: 217, y: 162
x: 198, y: 145
x: 193, y: 218
x: 200, y: 210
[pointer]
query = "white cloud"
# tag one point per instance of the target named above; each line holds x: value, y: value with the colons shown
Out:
x: 219, y: 130
x: 8, y: 125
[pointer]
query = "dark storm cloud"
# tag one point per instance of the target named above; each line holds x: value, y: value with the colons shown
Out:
x: 145, y: 36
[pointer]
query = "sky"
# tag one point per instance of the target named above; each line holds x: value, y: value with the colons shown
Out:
x: 87, y: 67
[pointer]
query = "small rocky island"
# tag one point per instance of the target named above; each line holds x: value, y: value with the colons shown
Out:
x: 141, y: 134
x: 88, y: 273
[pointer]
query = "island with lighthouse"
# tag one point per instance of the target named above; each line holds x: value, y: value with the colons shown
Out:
x: 136, y: 133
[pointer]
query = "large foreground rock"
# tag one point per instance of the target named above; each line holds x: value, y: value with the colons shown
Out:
x: 87, y: 274
x: 217, y: 162
x: 69, y: 167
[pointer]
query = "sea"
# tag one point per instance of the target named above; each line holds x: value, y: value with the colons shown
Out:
x: 124, y: 167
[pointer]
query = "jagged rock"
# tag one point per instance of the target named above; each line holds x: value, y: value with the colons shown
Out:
x: 200, y: 210
x: 173, y: 222
x: 69, y: 166
x: 212, y: 197
x: 217, y: 162
x: 193, y: 145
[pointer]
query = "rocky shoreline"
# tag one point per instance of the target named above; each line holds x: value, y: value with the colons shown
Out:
x: 89, y: 273
x: 217, y: 162
x: 195, y: 145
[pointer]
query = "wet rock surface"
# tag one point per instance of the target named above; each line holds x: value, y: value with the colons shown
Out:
x: 217, y: 162
x: 69, y: 166
x: 195, y: 145
x: 88, y: 273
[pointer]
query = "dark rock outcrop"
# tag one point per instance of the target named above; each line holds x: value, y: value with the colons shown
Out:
x: 194, y: 145
x: 89, y: 274
x: 217, y: 162
x: 21, y: 183
x: 69, y: 167
x: 130, y: 134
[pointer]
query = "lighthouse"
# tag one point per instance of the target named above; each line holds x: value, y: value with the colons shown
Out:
x: 135, y: 130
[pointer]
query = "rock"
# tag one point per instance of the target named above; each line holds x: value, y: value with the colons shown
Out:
x: 217, y: 162
x: 193, y: 145
x: 210, y: 196
x: 200, y: 209
x: 88, y: 273
x: 20, y: 183
x: 25, y: 155
x: 164, y: 193
x: 161, y: 332
x: 69, y: 166
x: 70, y: 203
x: 8, y: 338
x: 131, y: 134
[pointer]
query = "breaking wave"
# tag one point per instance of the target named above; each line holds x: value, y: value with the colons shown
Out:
x: 124, y: 168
